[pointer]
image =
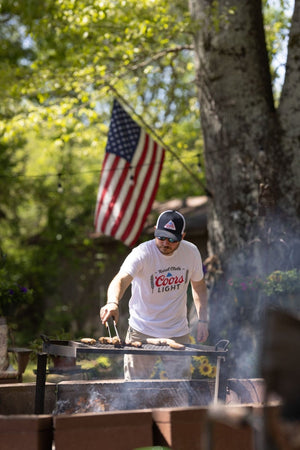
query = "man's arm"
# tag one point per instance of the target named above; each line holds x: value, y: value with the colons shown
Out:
x: 199, y: 292
x: 115, y: 292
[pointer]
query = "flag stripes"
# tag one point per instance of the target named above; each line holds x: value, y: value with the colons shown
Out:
x: 127, y: 188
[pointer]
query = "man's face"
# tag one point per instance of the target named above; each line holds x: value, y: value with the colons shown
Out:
x: 165, y: 247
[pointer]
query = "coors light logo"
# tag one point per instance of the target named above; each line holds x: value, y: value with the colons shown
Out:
x: 169, y: 279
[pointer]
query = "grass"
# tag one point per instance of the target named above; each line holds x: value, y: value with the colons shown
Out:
x: 29, y: 375
x: 93, y: 368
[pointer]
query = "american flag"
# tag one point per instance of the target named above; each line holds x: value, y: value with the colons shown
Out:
x: 129, y: 179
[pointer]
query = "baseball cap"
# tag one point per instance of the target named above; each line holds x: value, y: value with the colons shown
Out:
x: 170, y: 224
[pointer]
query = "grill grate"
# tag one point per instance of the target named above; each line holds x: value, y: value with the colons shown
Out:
x: 72, y: 348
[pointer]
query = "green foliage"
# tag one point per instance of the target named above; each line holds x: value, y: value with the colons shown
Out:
x: 282, y: 282
x: 102, y: 367
x: 278, y: 282
x: 277, y: 22
x: 243, y: 283
x: 61, y: 64
x: 13, y: 295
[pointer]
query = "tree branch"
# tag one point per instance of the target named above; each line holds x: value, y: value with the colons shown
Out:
x: 161, y: 55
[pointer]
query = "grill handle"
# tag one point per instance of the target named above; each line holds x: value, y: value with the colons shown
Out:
x: 222, y: 345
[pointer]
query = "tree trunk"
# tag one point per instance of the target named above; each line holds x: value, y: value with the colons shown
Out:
x: 288, y: 161
x: 243, y: 140
x: 252, y: 164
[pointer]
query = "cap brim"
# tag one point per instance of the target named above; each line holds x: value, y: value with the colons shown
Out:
x: 168, y: 234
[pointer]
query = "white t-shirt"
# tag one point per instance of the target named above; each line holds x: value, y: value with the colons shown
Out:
x: 158, y: 304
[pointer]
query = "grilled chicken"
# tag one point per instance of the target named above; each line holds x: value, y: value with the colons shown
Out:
x: 110, y: 340
x: 105, y: 340
x: 176, y: 345
x: 116, y: 341
x: 90, y: 341
x: 170, y: 342
x: 136, y: 344
x: 154, y: 341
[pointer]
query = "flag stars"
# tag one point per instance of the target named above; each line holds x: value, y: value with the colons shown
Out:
x: 123, y: 134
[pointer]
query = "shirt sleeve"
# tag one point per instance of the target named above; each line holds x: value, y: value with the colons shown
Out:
x: 132, y: 263
x: 197, y: 273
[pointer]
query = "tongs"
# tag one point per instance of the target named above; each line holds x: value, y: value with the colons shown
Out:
x: 115, y: 328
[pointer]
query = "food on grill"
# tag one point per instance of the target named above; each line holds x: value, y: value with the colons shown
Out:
x: 88, y: 341
x: 105, y: 340
x: 110, y: 340
x: 134, y: 343
x: 176, y: 345
x: 170, y: 342
x: 116, y: 341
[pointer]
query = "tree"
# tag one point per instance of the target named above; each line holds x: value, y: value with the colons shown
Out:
x: 58, y: 82
x: 249, y: 142
x: 61, y: 65
x: 84, y: 53
x: 251, y: 148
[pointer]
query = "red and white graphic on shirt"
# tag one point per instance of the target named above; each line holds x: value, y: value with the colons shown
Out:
x: 169, y: 280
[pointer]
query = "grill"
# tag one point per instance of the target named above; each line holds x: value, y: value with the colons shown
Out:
x: 70, y: 349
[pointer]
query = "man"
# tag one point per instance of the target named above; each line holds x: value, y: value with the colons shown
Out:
x: 160, y: 271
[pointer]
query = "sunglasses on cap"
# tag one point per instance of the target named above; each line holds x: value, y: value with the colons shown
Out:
x: 171, y: 240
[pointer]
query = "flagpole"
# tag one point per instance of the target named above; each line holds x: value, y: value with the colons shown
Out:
x: 166, y: 147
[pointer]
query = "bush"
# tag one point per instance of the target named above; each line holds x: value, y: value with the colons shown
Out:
x: 280, y: 282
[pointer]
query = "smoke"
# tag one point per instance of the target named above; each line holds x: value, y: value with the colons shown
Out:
x: 98, y: 397
x: 263, y: 274
x: 93, y: 401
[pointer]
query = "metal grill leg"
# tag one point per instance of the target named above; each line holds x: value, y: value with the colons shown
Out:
x: 40, y: 383
x: 217, y: 381
x: 220, y: 382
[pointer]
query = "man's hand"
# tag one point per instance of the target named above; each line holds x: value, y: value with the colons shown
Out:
x: 202, y: 332
x: 109, y: 310
x: 115, y: 292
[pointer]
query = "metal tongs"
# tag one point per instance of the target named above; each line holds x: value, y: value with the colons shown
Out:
x: 115, y: 328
